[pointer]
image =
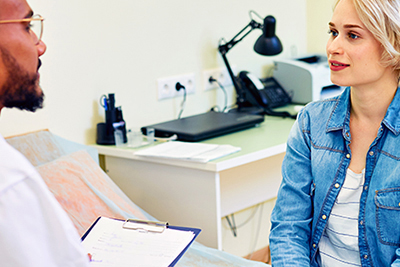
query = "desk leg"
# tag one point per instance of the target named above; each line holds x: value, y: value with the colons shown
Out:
x: 181, y: 196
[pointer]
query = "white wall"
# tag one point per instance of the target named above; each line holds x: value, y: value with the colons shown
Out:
x: 98, y: 47
x: 319, y: 14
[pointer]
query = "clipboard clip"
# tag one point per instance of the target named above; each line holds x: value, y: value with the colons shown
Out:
x: 145, y: 226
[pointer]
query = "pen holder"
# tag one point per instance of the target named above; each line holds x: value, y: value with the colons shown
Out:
x: 114, y: 127
x: 104, y: 135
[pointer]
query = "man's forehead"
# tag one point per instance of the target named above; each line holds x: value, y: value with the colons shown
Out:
x: 14, y: 9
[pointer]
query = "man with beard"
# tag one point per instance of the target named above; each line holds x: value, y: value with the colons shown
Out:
x: 34, y: 229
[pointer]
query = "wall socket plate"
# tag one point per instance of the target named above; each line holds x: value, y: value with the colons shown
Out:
x: 220, y: 74
x: 166, y: 86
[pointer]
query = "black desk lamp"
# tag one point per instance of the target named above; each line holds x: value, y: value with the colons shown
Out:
x: 268, y: 44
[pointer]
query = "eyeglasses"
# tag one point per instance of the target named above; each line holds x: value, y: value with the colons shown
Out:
x: 35, y: 26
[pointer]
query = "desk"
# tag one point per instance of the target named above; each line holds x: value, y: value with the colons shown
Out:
x: 200, y: 194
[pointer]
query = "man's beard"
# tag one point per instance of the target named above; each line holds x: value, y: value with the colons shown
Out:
x: 20, y: 89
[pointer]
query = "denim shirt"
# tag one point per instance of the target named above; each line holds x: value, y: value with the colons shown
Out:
x: 313, y: 171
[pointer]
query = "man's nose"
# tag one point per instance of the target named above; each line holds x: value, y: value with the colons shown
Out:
x: 41, y: 47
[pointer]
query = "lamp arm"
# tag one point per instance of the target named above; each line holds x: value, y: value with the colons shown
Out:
x: 223, y: 49
x: 239, y: 92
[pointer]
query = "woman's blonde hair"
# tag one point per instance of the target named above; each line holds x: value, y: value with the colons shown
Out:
x: 382, y: 19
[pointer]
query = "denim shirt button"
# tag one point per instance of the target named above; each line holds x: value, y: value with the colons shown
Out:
x: 361, y: 222
x: 314, y: 245
x: 348, y: 156
x: 337, y: 185
x: 323, y: 217
x: 365, y: 256
x: 371, y: 153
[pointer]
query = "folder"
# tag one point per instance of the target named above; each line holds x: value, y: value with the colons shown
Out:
x: 115, y: 242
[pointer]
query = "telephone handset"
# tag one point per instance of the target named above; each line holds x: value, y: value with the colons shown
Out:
x: 265, y: 95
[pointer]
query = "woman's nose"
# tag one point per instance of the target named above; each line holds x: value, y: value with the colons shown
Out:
x: 334, y: 46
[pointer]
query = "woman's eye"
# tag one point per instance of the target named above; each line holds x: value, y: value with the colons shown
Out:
x: 353, y: 36
x: 333, y: 33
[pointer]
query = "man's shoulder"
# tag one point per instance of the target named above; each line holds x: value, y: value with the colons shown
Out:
x: 14, y: 167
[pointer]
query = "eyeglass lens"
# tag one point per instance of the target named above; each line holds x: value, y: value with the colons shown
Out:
x: 36, y: 30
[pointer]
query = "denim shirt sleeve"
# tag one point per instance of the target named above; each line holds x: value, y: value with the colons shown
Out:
x: 292, y: 215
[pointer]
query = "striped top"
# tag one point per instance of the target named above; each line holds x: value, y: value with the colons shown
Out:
x: 339, y: 243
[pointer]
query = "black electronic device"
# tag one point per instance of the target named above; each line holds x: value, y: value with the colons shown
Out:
x: 262, y: 95
x: 266, y: 93
x: 199, y: 127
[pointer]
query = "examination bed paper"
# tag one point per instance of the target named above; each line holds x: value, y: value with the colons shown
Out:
x: 188, y: 151
x: 112, y: 245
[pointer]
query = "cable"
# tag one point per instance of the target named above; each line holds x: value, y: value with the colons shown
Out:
x: 179, y: 86
x: 232, y: 225
x: 283, y: 114
x: 225, y: 94
x: 211, y: 80
x: 166, y: 139
x: 247, y: 220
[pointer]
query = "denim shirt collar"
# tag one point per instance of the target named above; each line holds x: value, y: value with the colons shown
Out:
x: 340, y: 113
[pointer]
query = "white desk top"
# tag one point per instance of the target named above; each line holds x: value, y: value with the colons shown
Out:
x: 256, y: 143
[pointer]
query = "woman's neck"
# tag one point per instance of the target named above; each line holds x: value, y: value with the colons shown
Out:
x: 371, y: 103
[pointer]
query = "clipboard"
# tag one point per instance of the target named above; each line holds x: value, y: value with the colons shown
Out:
x: 142, y: 228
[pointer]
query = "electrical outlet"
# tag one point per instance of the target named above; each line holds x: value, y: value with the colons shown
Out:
x: 220, y: 74
x: 166, y: 86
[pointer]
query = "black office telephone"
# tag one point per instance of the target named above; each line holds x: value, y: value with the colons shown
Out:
x: 266, y: 94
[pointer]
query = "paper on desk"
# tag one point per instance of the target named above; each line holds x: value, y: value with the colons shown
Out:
x: 188, y: 151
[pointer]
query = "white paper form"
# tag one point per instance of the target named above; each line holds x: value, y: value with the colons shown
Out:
x: 188, y: 151
x: 112, y: 245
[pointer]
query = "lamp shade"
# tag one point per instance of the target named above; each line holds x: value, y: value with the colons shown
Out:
x: 268, y: 44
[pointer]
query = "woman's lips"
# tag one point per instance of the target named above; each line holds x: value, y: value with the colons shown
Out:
x: 337, y: 66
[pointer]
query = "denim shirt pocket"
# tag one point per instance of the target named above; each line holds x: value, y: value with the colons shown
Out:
x: 387, y: 203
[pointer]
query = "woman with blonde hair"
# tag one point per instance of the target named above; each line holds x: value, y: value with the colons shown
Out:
x: 339, y: 201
